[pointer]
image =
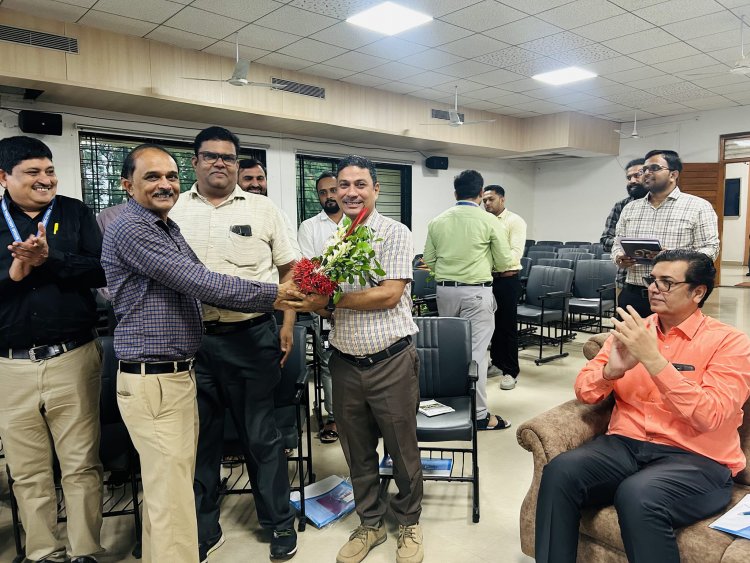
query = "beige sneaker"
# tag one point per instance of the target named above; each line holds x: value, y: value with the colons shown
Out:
x: 410, y: 548
x: 362, y: 540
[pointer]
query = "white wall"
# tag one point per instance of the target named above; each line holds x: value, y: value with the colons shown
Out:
x: 432, y: 190
x: 733, y: 237
x: 573, y: 197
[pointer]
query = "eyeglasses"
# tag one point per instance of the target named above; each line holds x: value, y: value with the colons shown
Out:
x: 211, y: 157
x: 654, y: 168
x: 664, y: 286
x: 638, y: 174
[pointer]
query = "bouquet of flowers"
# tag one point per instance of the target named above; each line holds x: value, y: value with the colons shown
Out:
x: 349, y: 258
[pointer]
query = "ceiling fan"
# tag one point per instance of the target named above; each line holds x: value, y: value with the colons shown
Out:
x: 455, y: 118
x: 634, y: 134
x: 741, y: 66
x: 239, y: 74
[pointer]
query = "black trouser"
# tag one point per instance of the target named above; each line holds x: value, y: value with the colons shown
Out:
x: 240, y: 370
x: 654, y: 489
x: 637, y: 297
x: 504, y: 347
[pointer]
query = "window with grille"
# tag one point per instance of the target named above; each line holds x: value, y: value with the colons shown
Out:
x: 394, y: 200
x: 102, y: 156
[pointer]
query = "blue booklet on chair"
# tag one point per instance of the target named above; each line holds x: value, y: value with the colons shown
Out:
x: 736, y: 520
x: 326, y: 500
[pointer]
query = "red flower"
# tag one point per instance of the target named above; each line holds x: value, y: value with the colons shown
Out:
x: 360, y: 217
x: 310, y: 279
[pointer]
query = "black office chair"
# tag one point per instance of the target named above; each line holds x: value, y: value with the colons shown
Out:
x: 292, y: 414
x: 553, y: 243
x: 546, y: 305
x: 536, y: 255
x: 556, y: 262
x: 424, y: 293
x: 596, y: 249
x: 118, y: 456
x: 593, y: 295
x: 606, y: 256
x: 577, y: 243
x: 448, y: 375
x: 543, y: 248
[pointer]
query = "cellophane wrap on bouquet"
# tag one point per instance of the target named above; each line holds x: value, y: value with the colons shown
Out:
x: 349, y: 258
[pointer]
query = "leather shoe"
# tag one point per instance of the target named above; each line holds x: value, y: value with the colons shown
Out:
x: 83, y: 559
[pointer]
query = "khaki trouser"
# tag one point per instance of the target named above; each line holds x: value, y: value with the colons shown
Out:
x: 161, y: 414
x: 54, y: 404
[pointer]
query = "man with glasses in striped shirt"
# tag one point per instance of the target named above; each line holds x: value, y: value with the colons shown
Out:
x: 676, y: 219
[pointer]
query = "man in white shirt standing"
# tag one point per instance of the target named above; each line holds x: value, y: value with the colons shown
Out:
x: 506, y: 288
x: 312, y: 236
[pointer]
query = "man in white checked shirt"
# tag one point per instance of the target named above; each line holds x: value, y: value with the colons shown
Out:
x: 676, y: 219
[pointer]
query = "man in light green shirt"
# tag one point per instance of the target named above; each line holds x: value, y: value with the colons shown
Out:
x: 464, y: 244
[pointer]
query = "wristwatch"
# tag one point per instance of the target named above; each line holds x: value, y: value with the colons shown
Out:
x: 331, y: 307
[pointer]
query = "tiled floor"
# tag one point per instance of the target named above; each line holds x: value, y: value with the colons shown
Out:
x: 450, y: 536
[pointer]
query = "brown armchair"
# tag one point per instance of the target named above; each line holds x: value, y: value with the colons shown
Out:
x: 570, y: 425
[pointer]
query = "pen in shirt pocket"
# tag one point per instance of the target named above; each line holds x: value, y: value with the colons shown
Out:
x: 54, y: 229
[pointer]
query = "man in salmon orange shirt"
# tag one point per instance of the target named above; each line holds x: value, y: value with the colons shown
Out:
x: 679, y: 380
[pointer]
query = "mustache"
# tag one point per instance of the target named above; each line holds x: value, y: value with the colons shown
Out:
x: 163, y: 191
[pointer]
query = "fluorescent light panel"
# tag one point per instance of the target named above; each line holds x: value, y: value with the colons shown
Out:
x: 564, y: 76
x: 389, y: 18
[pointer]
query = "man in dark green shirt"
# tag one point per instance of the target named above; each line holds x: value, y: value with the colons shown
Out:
x: 463, y: 245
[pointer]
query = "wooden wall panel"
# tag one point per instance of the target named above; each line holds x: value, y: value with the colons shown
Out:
x: 25, y: 61
x: 706, y: 180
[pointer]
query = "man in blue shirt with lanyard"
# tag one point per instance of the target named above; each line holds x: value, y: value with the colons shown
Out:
x: 50, y: 361
x: 157, y: 284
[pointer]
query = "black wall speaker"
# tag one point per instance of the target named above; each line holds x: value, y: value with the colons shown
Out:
x: 40, y: 122
x: 436, y: 162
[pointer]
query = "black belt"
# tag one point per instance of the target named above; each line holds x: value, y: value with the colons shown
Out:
x: 153, y: 368
x: 45, y: 351
x: 372, y: 359
x: 462, y: 284
x: 216, y: 327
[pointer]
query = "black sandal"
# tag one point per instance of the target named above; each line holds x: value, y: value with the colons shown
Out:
x: 328, y: 435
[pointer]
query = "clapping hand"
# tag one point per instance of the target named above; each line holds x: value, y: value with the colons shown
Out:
x: 635, y: 342
x: 31, y: 253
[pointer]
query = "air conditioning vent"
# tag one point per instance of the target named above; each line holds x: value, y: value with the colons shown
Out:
x: 38, y: 39
x: 298, y: 88
x: 443, y: 114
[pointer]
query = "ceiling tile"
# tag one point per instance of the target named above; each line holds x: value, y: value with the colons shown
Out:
x: 639, y: 73
x: 227, y: 49
x: 473, y: 46
x: 616, y: 64
x: 580, y: 13
x: 312, y: 50
x: 639, y: 41
x: 624, y: 24
x: 484, y: 15
x: 394, y: 71
x: 392, y: 48
x: 243, y: 10
x: 512, y: 99
x: 339, y: 9
x: 526, y: 29
x: 685, y: 64
x: 487, y: 93
x: 346, y: 35
x: 464, y: 69
x: 588, y: 54
x: 204, y: 23
x: 399, y: 87
x: 681, y: 92
x: 605, y: 90
x: 721, y: 79
x: 481, y: 105
x: 548, y: 91
x: 284, y: 61
x: 677, y: 10
x: 540, y: 106
x: 655, y: 81
x: 434, y: 96
x: 117, y: 23
x: 291, y: 19
x: 665, y: 53
x: 537, y: 66
x: 636, y: 98
x: 631, y: 5
x: 506, y: 57
x: 495, y: 77
x: 365, y: 79
x: 328, y: 71
x: 156, y: 11
x: 714, y: 102
x: 427, y: 79
x: 599, y: 104
x: 467, y: 87
x: 720, y: 22
x: 716, y: 41
x: 435, y: 33
x: 356, y: 61
x: 180, y: 38
x: 556, y: 44
x: 431, y: 59
x: 741, y: 98
x: 536, y: 6
x: 263, y: 38
x: 728, y: 56
x: 521, y: 85
x: 437, y: 8
x: 86, y: 3
x: 50, y: 8
x: 666, y: 110
x: 572, y: 97
x: 741, y: 87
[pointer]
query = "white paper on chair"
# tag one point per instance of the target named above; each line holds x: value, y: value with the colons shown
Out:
x: 326, y: 500
x: 736, y: 520
x: 432, y: 408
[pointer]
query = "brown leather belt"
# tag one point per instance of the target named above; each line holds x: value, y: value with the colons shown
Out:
x: 215, y: 327
x: 372, y: 359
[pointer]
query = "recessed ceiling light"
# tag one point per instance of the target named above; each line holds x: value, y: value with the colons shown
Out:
x: 389, y: 18
x: 564, y: 76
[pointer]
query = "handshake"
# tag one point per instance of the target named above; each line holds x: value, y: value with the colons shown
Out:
x: 291, y: 298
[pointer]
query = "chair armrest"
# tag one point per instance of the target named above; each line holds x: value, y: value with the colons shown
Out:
x: 473, y: 370
x: 606, y: 286
x: 737, y: 552
x: 555, y: 295
x: 563, y: 428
